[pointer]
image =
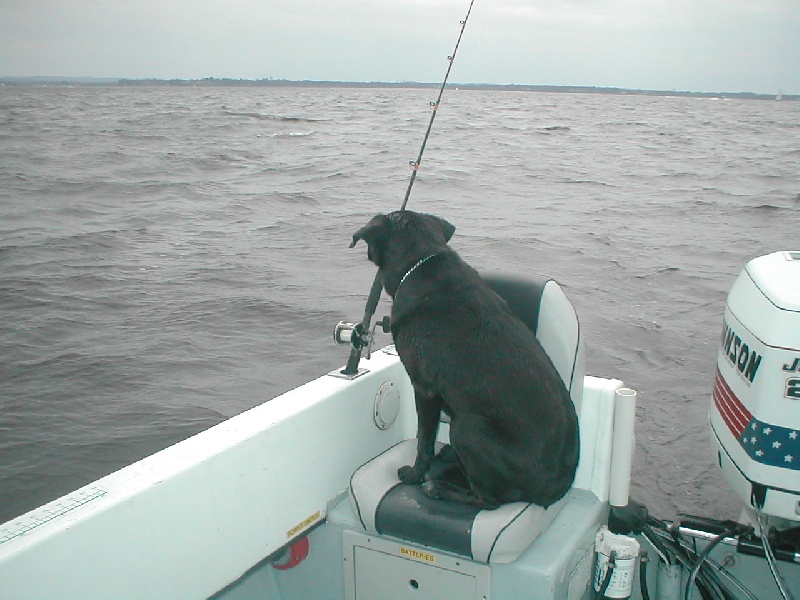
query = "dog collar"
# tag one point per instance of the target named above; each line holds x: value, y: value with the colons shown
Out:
x: 412, y: 269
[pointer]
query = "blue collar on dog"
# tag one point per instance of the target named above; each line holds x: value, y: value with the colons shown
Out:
x: 412, y: 269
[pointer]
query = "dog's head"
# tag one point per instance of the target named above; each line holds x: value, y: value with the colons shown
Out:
x: 403, y: 235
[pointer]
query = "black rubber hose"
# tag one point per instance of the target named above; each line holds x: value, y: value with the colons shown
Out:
x: 643, y: 560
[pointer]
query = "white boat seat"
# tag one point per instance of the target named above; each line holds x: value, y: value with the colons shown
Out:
x: 386, y: 506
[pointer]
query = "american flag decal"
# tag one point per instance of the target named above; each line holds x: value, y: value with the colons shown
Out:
x: 764, y: 443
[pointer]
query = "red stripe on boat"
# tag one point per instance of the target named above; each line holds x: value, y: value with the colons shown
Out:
x: 733, y: 412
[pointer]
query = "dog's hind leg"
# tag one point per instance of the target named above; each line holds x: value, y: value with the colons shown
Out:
x: 429, y: 408
x: 444, y: 490
x: 447, y: 467
x: 446, y: 480
x: 490, y: 467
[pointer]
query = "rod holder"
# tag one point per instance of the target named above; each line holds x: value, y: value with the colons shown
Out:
x: 622, y: 447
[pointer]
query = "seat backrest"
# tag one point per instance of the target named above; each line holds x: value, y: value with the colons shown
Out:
x: 541, y: 304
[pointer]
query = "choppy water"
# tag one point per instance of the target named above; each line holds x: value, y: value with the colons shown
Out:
x: 172, y: 257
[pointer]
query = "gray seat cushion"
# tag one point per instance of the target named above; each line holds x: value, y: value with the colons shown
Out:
x: 386, y: 506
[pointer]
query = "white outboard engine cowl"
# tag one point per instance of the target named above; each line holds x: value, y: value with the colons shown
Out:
x: 755, y: 412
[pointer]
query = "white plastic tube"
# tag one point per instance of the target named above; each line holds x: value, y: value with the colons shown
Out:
x: 622, y: 447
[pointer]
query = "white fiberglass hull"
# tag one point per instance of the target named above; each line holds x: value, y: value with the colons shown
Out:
x: 189, y: 520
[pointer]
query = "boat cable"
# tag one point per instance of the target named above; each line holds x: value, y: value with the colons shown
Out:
x: 708, y: 580
x: 773, y: 566
x: 714, y: 568
x: 683, y: 554
x: 361, y: 334
x: 701, y: 559
x: 644, y: 560
x: 661, y: 550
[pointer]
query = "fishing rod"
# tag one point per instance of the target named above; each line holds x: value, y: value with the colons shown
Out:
x: 359, y: 334
x: 415, y: 164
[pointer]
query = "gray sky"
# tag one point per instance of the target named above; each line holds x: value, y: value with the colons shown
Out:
x: 697, y: 45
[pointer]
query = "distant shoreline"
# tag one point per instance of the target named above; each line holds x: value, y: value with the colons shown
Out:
x: 225, y: 82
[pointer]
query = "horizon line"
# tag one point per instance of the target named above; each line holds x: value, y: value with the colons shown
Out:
x: 267, y: 81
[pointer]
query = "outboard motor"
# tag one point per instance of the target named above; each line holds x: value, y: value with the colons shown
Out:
x: 755, y: 411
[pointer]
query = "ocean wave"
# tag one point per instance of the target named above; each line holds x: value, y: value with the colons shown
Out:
x: 269, y: 117
x: 291, y: 134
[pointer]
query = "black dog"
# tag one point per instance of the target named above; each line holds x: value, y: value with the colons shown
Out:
x: 513, y: 430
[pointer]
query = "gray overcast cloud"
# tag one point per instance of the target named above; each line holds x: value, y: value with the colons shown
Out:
x: 697, y: 45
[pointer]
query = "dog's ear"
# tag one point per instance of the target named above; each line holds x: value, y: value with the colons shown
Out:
x: 445, y: 227
x: 372, y: 231
x: 374, y: 234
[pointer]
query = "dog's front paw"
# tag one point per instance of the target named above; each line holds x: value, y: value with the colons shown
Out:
x: 408, y: 475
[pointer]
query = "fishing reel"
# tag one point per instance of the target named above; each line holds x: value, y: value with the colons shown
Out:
x: 359, y: 334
